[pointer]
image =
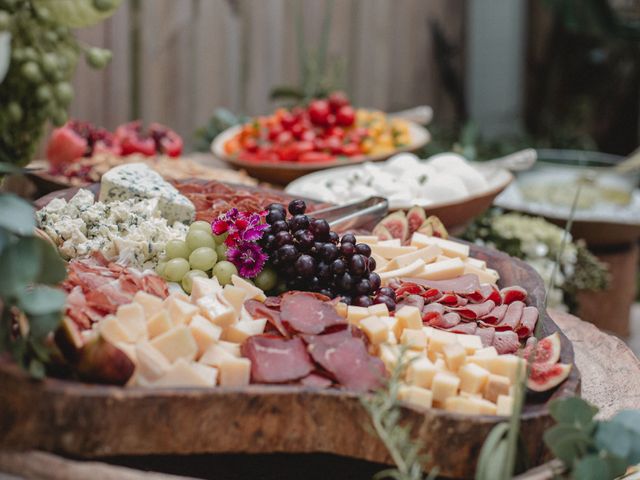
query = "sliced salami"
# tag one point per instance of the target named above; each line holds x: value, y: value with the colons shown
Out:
x: 506, y: 342
x: 303, y: 312
x: 276, y: 360
x: 482, y: 294
x: 494, y: 316
x: 431, y: 311
x: 468, y: 328
x: 527, y: 322
x: 512, y: 316
x: 411, y: 301
x: 513, y: 294
x: 474, y: 311
x: 446, y: 321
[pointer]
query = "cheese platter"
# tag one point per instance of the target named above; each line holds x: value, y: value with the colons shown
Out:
x: 258, y: 330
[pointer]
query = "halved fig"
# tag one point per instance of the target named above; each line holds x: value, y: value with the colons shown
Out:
x: 415, y: 218
x: 434, y: 227
x: 68, y: 339
x: 382, y: 233
x: 545, y: 351
x: 101, y: 362
x: 543, y: 377
x: 397, y: 225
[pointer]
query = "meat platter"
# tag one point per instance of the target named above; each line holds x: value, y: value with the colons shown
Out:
x: 200, y: 375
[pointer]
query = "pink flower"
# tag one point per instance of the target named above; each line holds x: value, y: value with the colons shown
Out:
x: 248, y: 258
x: 239, y: 226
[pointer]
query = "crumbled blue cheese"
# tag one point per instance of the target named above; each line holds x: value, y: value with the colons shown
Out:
x: 131, y: 232
x: 138, y: 181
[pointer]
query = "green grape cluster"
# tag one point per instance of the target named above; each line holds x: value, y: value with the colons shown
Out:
x: 37, y: 88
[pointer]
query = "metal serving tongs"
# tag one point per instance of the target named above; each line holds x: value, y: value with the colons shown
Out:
x: 363, y: 214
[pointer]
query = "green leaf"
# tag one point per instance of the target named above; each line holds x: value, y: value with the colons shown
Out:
x: 39, y: 349
x: 20, y: 265
x: 16, y: 215
x: 53, y: 269
x: 40, y: 300
x: 9, y: 168
x: 36, y: 369
x: 614, y: 438
x: 592, y: 467
x: 574, y: 411
x: 570, y: 446
x: 629, y: 418
x: 4, y: 239
x: 488, y: 448
x: 41, y: 325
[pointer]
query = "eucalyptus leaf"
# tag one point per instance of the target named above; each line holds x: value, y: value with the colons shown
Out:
x: 560, y: 431
x: 41, y: 325
x: 16, y: 215
x: 20, y: 264
x: 574, y: 411
x: 614, y: 438
x: 592, y: 467
x: 40, y: 300
x: 629, y: 418
x: 4, y: 238
x: 36, y: 368
x: 53, y: 269
x: 40, y: 350
x: 570, y: 447
x: 9, y: 168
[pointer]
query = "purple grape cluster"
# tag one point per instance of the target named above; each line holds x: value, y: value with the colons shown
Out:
x: 310, y: 256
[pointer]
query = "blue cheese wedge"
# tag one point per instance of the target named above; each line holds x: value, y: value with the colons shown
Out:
x: 138, y: 181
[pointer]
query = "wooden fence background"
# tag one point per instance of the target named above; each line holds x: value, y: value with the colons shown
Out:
x: 196, y: 55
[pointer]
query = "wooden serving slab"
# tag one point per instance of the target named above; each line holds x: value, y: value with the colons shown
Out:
x: 95, y: 421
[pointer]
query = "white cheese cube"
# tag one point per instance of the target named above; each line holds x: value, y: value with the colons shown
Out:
x: 454, y: 355
x: 391, y: 251
x: 180, y: 311
x: 159, y: 323
x: 393, y: 325
x: 444, y: 270
x: 183, y: 374
x: 217, y: 311
x: 426, y: 254
x: 176, y: 343
x: 234, y: 372
x: 204, y: 332
x: 389, y: 355
x: 355, y: 314
x: 252, y: 291
x: 509, y: 366
x: 487, y: 352
x: 151, y: 363
x: 137, y: 180
x: 449, y: 247
x: 210, y: 374
x: 409, y: 317
x: 240, y: 331
x: 204, y: 287
x: 469, y: 405
x: 415, y: 396
x: 496, y: 385
x: 414, y: 339
x: 471, y: 343
x: 379, y: 310
x: 420, y: 372
x: 472, y: 378
x: 484, y: 276
x: 475, y: 262
x: 393, y: 242
x: 415, y: 268
x: 177, y: 294
x: 234, y: 296
x: 444, y: 385
x: 375, y: 329
x: 214, y: 355
x: 112, y: 330
x: 150, y: 303
x: 482, y: 361
x: 504, y: 405
x: 131, y: 318
x: 231, y: 347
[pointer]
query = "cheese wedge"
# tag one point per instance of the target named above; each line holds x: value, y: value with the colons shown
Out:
x: 355, y: 314
x: 375, y: 329
x: 240, y: 331
x: 234, y: 372
x: 253, y: 292
x: 210, y: 374
x: 204, y: 287
x: 445, y: 270
x: 204, y: 332
x: 381, y: 262
x: 393, y: 326
x: 368, y: 239
x: 473, y: 378
x: 487, y: 352
x: 131, y: 318
x: 420, y: 372
x: 159, y: 323
x: 389, y: 355
x: 509, y: 366
x: 415, y: 396
x: 342, y: 309
x: 426, y: 254
x: 504, y: 405
x: 151, y: 363
x: 449, y: 247
x: 444, y: 385
x: 484, y: 276
x: 476, y: 262
x: 439, y: 338
x: 214, y: 355
x: 183, y: 374
x: 231, y: 347
x: 415, y: 268
x: 390, y: 251
x: 149, y: 303
x: 177, y: 343
x: 393, y: 242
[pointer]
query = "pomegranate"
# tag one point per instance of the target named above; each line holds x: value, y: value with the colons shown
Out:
x: 167, y: 141
x: 77, y: 139
x: 134, y: 140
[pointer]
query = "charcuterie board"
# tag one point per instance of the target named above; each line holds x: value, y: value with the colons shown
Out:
x: 92, y: 421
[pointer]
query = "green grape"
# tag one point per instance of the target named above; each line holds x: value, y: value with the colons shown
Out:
x: 177, y: 249
x: 223, y: 271
x: 221, y: 251
x: 59, y: 117
x: 64, y: 93
x: 50, y: 64
x: 30, y: 54
x: 160, y: 268
x: 198, y: 238
x: 15, y: 112
x: 221, y: 238
x: 31, y: 72
x: 43, y: 93
x: 203, y: 258
x: 187, y: 280
x: 175, y: 269
x: 266, y: 280
x: 98, y: 57
x: 200, y: 225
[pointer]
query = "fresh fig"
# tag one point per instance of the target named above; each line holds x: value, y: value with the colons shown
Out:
x: 415, y: 218
x: 545, y: 351
x: 101, y: 362
x: 69, y: 340
x: 433, y: 227
x: 381, y: 232
x: 543, y: 377
x: 397, y: 225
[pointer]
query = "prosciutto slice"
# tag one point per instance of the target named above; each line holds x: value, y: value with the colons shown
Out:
x: 452, y: 299
x: 494, y: 316
x: 346, y: 358
x: 482, y: 294
x: 469, y: 328
x: 446, y: 321
x: 303, y: 312
x: 506, y: 342
x: 411, y: 301
x: 258, y: 309
x: 431, y: 311
x: 474, y: 311
x: 462, y: 285
x: 486, y: 334
x: 527, y: 322
x: 512, y: 316
x: 513, y: 294
x: 275, y: 359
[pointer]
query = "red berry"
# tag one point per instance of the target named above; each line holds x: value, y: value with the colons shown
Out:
x: 319, y: 111
x: 346, y: 116
x: 337, y: 100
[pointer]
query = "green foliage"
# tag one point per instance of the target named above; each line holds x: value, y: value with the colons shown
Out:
x: 218, y: 123
x: 30, y: 267
x: 386, y: 416
x: 44, y: 54
x: 592, y: 449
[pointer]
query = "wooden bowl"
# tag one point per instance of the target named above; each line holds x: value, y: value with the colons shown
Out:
x: 85, y: 420
x: 282, y: 173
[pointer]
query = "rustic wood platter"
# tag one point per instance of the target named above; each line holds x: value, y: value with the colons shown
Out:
x: 284, y: 172
x: 86, y: 420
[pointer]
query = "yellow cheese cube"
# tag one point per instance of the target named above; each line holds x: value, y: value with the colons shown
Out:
x: 439, y: 338
x: 420, y: 372
x: 379, y: 310
x: 439, y: 362
x: 131, y: 318
x: 391, y: 338
x: 426, y: 254
x: 341, y: 309
x: 204, y: 332
x: 472, y: 378
x: 487, y: 352
x: 445, y: 270
x: 391, y: 251
x: 509, y: 366
x: 252, y: 291
x: 234, y: 296
x: 414, y: 339
x: 231, y: 347
x: 355, y: 314
x: 470, y: 395
x: 149, y: 303
x: 415, y: 396
x: 234, y: 372
x: 449, y: 247
x: 151, y: 363
x: 112, y: 330
x: 182, y: 374
x: 375, y: 329
x: 392, y: 325
x: 176, y: 343
x: 175, y: 295
x: 240, y: 331
x: 409, y: 317
x: 180, y: 311
x: 496, y: 385
x: 204, y: 287
x: 444, y: 385
x: 214, y: 355
x: 454, y: 355
x: 482, y: 361
x: 159, y: 323
x: 469, y: 405
x: 217, y: 311
x: 389, y: 355
x: 504, y: 405
x: 471, y: 343
x: 210, y: 374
